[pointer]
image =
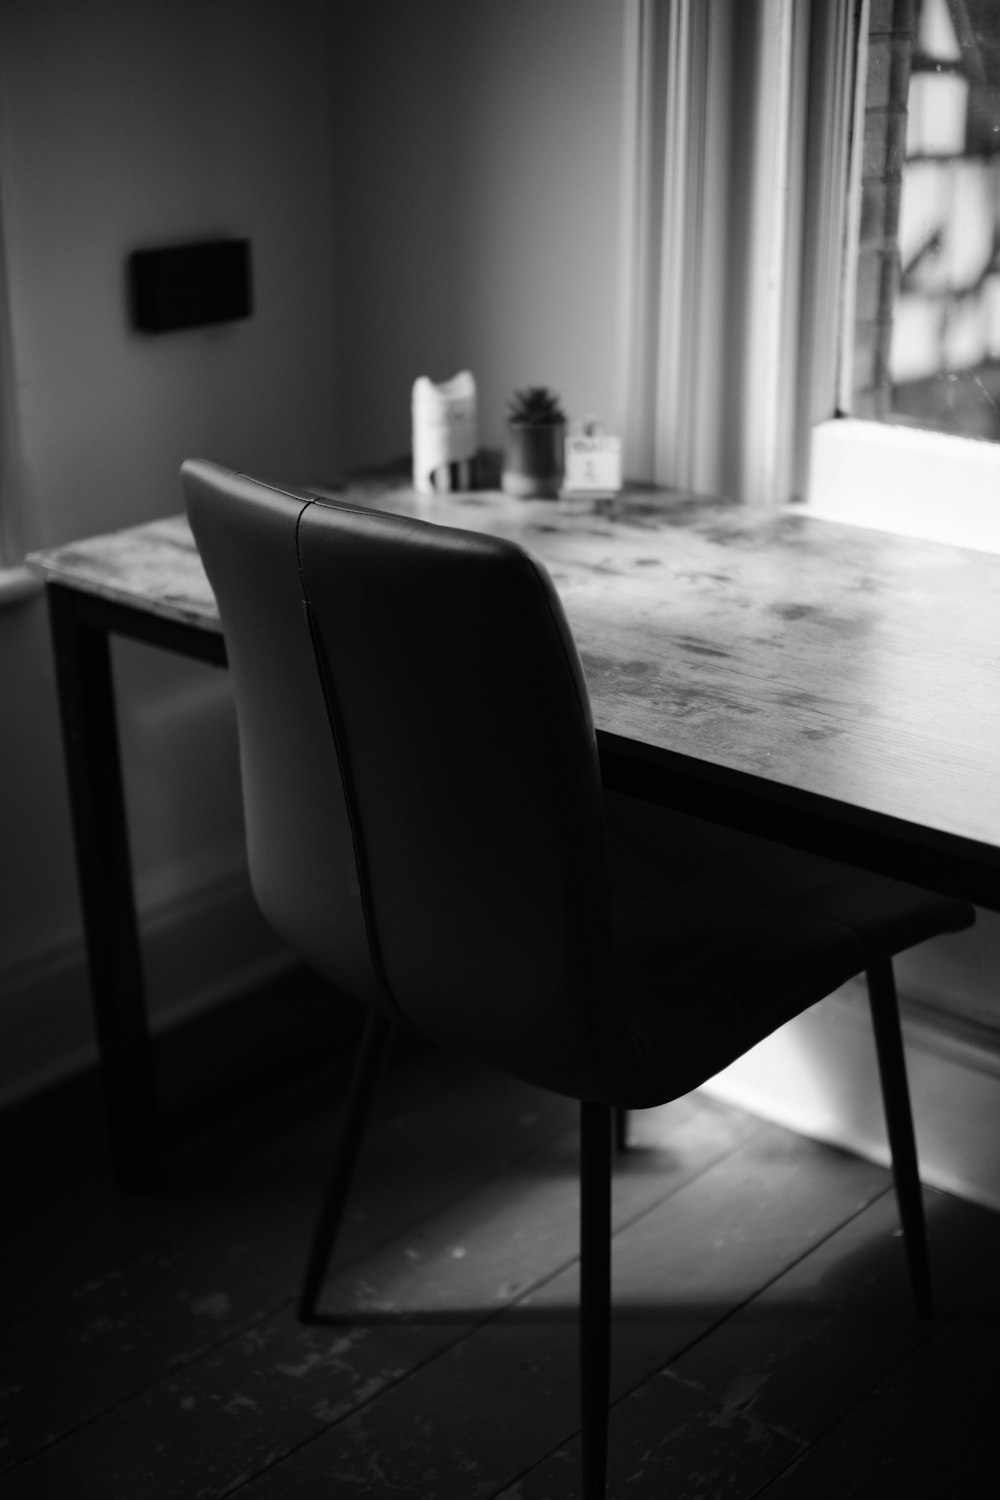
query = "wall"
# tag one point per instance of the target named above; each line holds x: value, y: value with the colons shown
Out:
x: 481, y: 164
x: 426, y: 187
x: 123, y: 125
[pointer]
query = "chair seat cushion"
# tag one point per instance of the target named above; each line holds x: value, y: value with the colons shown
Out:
x: 720, y: 938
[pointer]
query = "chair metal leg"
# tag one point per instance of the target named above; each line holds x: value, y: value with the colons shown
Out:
x: 899, y: 1123
x: 367, y: 1064
x: 621, y: 1128
x: 595, y: 1293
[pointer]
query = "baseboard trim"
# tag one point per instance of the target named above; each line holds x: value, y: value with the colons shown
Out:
x: 959, y: 1038
x: 200, y: 949
x: 818, y: 1075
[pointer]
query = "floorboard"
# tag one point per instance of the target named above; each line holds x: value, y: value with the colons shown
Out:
x: 764, y: 1339
x: 925, y: 1429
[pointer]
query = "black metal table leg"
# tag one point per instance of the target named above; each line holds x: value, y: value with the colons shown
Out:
x: 595, y: 1293
x: 97, y: 805
x: 899, y: 1126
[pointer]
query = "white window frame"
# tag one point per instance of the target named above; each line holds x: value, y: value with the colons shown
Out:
x: 909, y: 480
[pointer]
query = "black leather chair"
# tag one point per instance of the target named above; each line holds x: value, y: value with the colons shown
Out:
x: 426, y: 827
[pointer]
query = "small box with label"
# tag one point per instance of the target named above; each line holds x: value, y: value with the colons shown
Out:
x: 593, y: 464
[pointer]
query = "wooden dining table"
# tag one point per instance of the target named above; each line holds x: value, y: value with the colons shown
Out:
x: 826, y: 686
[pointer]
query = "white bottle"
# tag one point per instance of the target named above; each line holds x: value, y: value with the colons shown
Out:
x: 444, y: 433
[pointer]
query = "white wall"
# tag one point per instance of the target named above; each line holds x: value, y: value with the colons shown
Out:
x: 481, y: 148
x: 426, y: 186
x: 130, y: 124
x: 126, y: 124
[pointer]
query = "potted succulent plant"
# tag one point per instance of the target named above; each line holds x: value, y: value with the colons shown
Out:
x: 533, y: 454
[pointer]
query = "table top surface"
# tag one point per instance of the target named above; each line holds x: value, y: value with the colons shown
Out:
x: 853, y: 664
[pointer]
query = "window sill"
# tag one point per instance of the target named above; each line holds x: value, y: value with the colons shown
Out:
x: 907, y: 480
x: 17, y: 584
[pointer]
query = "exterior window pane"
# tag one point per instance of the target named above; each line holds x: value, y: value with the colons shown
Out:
x: 927, y: 336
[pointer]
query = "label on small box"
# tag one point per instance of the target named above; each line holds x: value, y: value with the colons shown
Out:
x: 593, y: 464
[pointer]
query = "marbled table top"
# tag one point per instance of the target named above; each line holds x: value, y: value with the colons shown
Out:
x: 155, y: 567
x: 846, y: 662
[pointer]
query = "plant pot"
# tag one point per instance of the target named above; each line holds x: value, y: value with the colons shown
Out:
x: 534, y: 464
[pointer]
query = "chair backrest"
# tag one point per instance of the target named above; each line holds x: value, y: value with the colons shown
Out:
x: 421, y: 785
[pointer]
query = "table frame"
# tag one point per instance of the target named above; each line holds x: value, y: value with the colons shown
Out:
x: 946, y: 863
x: 82, y: 625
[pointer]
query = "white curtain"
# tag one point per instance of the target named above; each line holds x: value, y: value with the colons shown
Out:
x: 737, y: 133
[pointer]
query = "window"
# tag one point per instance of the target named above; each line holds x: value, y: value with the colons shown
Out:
x: 762, y: 232
x: 927, y: 338
x: 919, y: 385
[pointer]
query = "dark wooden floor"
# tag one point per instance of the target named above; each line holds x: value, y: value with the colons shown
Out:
x: 764, y: 1340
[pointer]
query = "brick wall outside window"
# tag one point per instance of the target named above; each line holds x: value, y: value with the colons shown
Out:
x: 890, y: 48
x: 926, y: 347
